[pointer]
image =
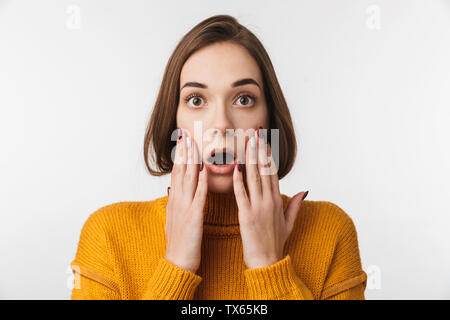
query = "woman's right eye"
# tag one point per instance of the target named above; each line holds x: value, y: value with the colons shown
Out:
x: 195, y: 99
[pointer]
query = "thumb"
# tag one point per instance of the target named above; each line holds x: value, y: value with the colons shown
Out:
x: 292, y: 209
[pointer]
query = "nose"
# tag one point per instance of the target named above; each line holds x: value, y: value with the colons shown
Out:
x: 221, y: 121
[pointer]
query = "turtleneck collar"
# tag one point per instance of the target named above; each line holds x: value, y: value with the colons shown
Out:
x: 221, y: 214
x: 221, y: 209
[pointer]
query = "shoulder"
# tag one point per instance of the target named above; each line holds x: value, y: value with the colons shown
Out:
x: 103, y: 215
x: 325, y: 226
x: 110, y: 227
x: 323, y: 215
x: 120, y: 217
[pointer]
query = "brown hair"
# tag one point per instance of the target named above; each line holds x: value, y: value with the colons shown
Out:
x: 162, y: 123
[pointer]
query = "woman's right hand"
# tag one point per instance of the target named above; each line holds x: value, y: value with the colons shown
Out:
x: 184, y: 211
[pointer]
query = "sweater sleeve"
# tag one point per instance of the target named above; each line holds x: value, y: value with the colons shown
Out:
x: 92, y: 267
x: 354, y: 293
x: 92, y: 290
x: 345, y: 279
x: 276, y: 282
x: 170, y: 282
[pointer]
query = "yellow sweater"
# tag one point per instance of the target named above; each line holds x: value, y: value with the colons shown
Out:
x: 121, y: 253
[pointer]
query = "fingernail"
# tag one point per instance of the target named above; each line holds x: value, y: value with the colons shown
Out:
x: 252, y: 142
x: 240, y: 167
x: 179, y: 134
x: 201, y: 166
x: 304, y: 196
x: 188, y: 142
x: 168, y: 190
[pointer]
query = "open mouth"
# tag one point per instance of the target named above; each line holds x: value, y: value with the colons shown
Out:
x: 221, y: 157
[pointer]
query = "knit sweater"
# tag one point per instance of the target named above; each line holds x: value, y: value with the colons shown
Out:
x: 121, y: 255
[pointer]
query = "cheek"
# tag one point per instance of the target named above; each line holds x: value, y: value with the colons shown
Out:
x: 186, y: 121
x: 181, y: 117
x: 263, y: 117
x: 258, y: 116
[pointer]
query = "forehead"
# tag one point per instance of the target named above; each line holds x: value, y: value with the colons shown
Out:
x: 219, y: 65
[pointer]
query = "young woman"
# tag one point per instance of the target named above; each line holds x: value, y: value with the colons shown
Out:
x: 224, y: 231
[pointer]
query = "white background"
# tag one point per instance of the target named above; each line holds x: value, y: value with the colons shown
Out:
x: 367, y: 82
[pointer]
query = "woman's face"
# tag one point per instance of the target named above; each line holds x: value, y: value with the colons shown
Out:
x: 224, y: 112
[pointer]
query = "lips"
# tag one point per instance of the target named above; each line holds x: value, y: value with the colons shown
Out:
x: 225, y: 164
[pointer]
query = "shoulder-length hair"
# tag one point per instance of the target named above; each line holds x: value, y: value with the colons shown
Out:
x: 162, y: 124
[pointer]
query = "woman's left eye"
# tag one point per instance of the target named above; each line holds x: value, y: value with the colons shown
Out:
x: 244, y: 98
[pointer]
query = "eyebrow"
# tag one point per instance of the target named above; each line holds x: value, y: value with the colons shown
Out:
x: 233, y: 85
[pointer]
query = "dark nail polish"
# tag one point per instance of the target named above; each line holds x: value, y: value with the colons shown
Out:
x: 179, y: 134
x: 304, y: 196
x: 240, y: 167
x: 168, y: 190
x: 201, y: 166
x: 260, y: 134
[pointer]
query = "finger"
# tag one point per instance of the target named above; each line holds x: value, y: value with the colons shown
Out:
x: 251, y: 165
x: 264, y: 172
x: 273, y: 171
x: 192, y: 168
x: 292, y: 210
x: 240, y: 193
x: 167, y: 211
x: 179, y: 164
x: 198, y: 203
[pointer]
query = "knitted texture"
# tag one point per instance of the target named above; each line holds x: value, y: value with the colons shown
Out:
x: 121, y: 254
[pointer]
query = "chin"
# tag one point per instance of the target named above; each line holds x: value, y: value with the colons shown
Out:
x: 220, y: 184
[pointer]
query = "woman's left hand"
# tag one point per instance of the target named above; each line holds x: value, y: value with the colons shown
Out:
x: 264, y: 226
